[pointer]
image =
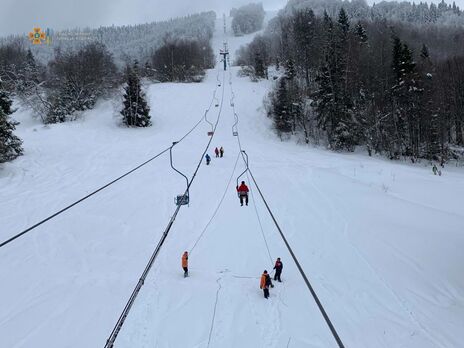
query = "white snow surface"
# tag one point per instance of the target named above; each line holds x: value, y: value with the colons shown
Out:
x: 380, y: 241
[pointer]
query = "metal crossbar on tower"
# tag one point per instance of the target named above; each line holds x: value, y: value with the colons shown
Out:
x: 225, y: 55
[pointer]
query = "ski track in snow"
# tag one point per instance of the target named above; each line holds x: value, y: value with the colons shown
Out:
x: 381, y: 242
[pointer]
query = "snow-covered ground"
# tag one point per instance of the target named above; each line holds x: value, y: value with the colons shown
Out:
x: 380, y: 241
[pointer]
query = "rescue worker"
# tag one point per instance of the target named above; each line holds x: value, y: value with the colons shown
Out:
x: 216, y: 151
x: 243, y: 193
x: 264, y: 284
x: 278, y: 270
x: 185, y: 263
x: 221, y: 151
x: 208, y: 159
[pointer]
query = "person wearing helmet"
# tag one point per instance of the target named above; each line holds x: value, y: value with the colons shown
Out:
x: 185, y: 263
x: 243, y: 193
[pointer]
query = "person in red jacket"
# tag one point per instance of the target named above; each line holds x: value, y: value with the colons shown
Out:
x: 216, y: 151
x: 243, y: 193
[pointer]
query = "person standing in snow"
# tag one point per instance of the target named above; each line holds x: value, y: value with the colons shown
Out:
x: 208, y: 159
x: 278, y: 270
x: 265, y: 283
x: 185, y: 263
x: 216, y: 151
x: 243, y: 193
x: 221, y: 151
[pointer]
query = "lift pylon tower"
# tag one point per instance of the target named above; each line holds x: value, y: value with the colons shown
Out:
x: 225, y: 55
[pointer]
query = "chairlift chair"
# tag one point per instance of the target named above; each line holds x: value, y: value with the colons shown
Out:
x: 181, y: 199
x: 244, y: 172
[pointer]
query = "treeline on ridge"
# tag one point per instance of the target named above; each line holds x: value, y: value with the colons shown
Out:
x: 392, y: 87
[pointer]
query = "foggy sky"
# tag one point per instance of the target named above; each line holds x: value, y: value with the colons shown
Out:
x: 20, y: 16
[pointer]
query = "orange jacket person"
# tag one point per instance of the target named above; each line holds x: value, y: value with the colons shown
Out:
x: 264, y: 284
x: 185, y: 263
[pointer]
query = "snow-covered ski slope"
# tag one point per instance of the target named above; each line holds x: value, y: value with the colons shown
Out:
x: 380, y: 241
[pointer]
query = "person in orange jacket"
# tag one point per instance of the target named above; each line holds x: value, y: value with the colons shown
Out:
x: 265, y: 283
x: 243, y: 193
x: 185, y: 263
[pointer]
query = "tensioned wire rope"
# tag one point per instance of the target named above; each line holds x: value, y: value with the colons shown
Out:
x: 33, y: 227
x: 295, y: 259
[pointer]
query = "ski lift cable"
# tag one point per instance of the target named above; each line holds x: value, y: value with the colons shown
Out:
x: 287, y: 244
x: 218, y: 206
x: 117, y: 328
x: 72, y: 205
x: 259, y: 221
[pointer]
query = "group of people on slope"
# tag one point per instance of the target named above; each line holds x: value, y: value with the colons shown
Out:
x: 265, y: 282
x: 242, y: 190
x: 219, y: 153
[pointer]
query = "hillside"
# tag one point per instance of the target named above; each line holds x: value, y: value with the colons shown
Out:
x: 380, y: 241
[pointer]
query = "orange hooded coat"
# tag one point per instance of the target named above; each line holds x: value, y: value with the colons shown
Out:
x: 185, y: 260
x: 262, y: 284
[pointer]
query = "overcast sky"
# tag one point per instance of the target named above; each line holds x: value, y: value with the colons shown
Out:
x: 20, y: 16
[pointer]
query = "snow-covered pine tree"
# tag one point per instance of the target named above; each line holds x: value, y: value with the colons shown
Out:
x: 136, y: 112
x: 260, y: 70
x: 360, y: 33
x: 10, y: 144
x: 332, y: 100
x: 406, y: 95
x: 281, y: 108
x: 304, y: 32
x: 290, y: 71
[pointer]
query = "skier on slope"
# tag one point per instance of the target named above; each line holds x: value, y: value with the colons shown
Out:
x: 243, y: 193
x: 185, y: 263
x: 278, y: 270
x: 221, y: 151
x: 265, y: 283
x: 216, y: 151
x: 208, y: 159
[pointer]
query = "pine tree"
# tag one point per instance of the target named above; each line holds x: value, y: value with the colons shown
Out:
x: 290, y: 72
x: 424, y: 52
x: 10, y: 144
x: 281, y: 109
x: 360, y: 33
x: 332, y: 100
x: 136, y: 111
x: 260, y: 70
x: 304, y: 32
x: 406, y: 96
